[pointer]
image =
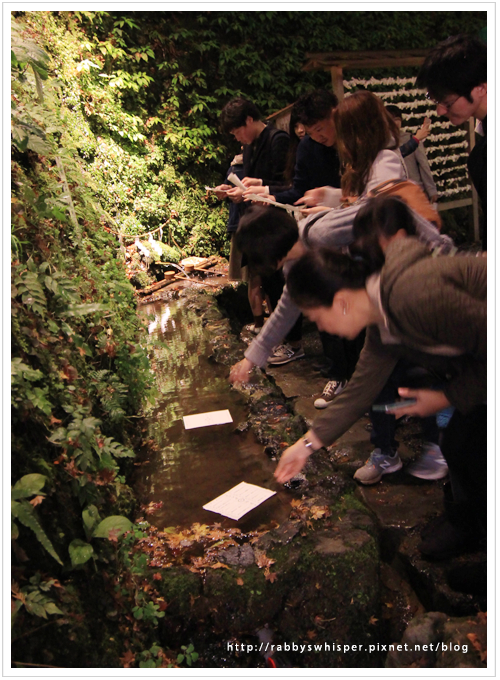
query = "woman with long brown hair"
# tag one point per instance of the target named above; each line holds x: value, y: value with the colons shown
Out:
x: 367, y: 141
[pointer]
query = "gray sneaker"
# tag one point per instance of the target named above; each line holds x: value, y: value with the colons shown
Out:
x: 332, y: 388
x: 430, y: 464
x: 283, y: 354
x: 378, y: 464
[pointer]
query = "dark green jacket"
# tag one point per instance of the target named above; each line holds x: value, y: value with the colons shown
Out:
x: 435, y: 310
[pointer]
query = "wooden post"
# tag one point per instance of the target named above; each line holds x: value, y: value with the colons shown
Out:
x: 475, y: 200
x: 337, y: 81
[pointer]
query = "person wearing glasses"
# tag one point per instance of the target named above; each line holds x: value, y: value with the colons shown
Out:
x: 455, y: 75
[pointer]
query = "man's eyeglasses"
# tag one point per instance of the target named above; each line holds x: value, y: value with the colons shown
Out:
x: 446, y: 105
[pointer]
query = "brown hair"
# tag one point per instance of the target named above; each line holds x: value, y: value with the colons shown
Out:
x: 363, y: 128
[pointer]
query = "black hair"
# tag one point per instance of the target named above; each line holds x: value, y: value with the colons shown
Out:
x: 455, y: 66
x: 315, y: 106
x: 380, y: 216
x: 235, y: 114
x: 265, y: 235
x: 289, y: 171
x: 395, y: 111
x: 315, y: 279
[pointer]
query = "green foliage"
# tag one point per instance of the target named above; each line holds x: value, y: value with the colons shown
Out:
x: 112, y: 527
x: 148, y: 612
x: 188, y: 655
x: 25, y: 513
x: 80, y: 552
x: 78, y: 371
x: 34, y: 598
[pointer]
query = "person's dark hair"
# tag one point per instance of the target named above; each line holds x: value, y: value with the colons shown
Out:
x: 364, y: 128
x: 380, y: 216
x: 455, y: 66
x: 315, y: 106
x: 265, y: 235
x: 288, y: 173
x: 315, y: 279
x: 395, y: 111
x: 235, y: 113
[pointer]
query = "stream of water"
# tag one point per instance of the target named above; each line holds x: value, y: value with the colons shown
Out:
x: 189, y: 468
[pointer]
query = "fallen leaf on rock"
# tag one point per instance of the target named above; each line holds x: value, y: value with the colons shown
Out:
x: 476, y: 643
x: 262, y: 560
x: 272, y: 577
x: 319, y: 511
x: 127, y: 659
x: 219, y: 565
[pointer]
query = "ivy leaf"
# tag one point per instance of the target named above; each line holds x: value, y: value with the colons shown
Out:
x: 29, y: 485
x: 80, y: 552
x: 117, y: 524
x: 52, y: 608
x: 90, y: 517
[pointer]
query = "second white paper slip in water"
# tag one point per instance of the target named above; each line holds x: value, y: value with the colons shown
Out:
x: 239, y: 500
x: 206, y: 419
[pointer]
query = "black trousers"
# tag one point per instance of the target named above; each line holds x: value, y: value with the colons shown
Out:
x: 343, y: 354
x: 464, y: 447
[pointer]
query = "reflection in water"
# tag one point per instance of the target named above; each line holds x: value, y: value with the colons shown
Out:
x: 191, y: 467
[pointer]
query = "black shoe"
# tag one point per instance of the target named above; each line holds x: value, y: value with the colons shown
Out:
x: 469, y: 578
x: 448, y: 540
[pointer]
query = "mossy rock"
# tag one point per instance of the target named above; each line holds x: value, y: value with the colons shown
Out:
x: 179, y: 587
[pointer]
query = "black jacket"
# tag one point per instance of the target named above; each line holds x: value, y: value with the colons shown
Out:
x: 478, y: 171
x: 316, y: 165
x: 265, y: 158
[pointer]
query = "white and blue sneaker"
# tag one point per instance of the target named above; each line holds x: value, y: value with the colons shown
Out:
x: 378, y: 464
x: 430, y: 464
x: 283, y: 354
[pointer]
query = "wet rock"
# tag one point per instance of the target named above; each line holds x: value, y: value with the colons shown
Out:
x: 282, y: 535
x: 297, y: 482
x: 399, y: 601
x: 238, y: 556
x: 243, y: 427
x: 433, y: 640
x: 429, y: 579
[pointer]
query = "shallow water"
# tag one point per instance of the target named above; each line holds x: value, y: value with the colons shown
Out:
x: 189, y: 468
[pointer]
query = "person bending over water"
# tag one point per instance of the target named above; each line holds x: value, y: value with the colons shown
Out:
x: 431, y: 311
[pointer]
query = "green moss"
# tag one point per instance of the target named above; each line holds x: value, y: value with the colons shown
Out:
x: 178, y: 586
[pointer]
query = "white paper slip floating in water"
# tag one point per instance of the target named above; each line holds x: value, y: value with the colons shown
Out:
x: 205, y: 419
x: 239, y: 500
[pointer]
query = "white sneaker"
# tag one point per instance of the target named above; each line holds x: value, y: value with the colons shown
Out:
x: 430, y: 464
x: 332, y: 388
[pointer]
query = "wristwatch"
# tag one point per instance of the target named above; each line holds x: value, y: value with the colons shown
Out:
x: 308, y: 444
